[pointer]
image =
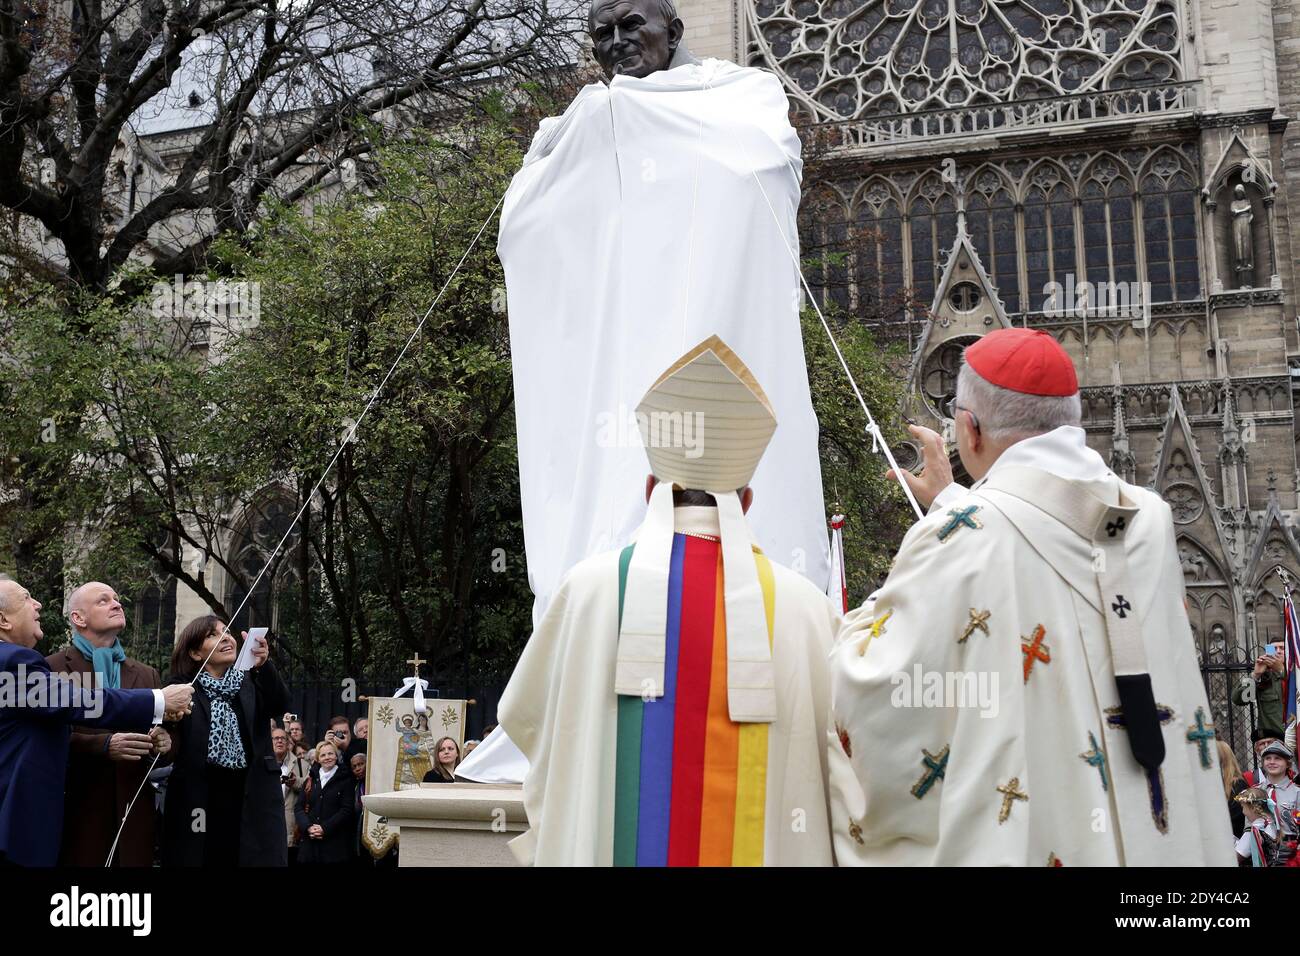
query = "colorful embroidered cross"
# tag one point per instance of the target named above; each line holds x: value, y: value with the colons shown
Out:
x: 1121, y: 606
x: 959, y: 518
x: 1201, y: 735
x: 877, y: 628
x: 935, y: 767
x: 978, y: 622
x: 878, y: 625
x: 1011, y: 792
x: 1155, y: 778
x: 1035, y: 650
x: 1095, y: 758
x: 1115, y: 527
x: 1115, y: 715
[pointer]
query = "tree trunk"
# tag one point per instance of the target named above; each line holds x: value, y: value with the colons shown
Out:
x: 304, y: 575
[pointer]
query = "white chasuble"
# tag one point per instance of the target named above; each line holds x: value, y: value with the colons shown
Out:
x: 671, y: 780
x: 976, y: 713
x: 635, y: 229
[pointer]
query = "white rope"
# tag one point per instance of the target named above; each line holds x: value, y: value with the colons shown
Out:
x: 878, y: 442
x: 374, y: 397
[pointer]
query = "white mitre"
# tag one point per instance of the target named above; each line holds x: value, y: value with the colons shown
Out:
x: 705, y: 425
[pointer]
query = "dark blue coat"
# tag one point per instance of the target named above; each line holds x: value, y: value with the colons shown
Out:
x: 333, y: 806
x: 34, y: 749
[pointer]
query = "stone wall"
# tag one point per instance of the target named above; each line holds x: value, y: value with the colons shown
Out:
x: 711, y: 27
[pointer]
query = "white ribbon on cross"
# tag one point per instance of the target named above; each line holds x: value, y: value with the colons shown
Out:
x: 419, y: 685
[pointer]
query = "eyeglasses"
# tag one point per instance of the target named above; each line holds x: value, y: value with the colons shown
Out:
x: 951, y: 408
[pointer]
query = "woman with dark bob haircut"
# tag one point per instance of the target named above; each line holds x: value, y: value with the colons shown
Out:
x: 224, y: 803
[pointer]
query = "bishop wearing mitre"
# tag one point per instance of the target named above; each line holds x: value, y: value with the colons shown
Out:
x: 1024, y: 689
x: 673, y: 701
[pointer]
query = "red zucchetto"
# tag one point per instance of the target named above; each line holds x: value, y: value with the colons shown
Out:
x: 1023, y: 360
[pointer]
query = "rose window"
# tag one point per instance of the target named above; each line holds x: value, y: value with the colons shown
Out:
x: 868, y: 58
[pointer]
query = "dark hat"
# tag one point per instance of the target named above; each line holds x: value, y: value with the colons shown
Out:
x: 1277, y: 748
x: 1265, y: 733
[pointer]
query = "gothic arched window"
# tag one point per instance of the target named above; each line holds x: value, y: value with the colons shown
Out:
x: 1049, y: 235
x: 823, y: 234
x: 878, y: 269
x: 263, y: 528
x: 933, y: 213
x: 1169, y: 232
x: 1108, y: 245
x: 991, y: 221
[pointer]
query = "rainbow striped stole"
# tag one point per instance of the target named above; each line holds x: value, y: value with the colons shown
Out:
x: 690, y: 785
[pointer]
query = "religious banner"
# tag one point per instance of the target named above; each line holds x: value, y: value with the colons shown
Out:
x: 401, y: 751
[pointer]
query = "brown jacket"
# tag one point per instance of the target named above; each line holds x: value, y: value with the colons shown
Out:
x: 98, y: 789
x: 300, y: 769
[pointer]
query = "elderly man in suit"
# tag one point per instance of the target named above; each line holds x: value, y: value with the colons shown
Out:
x: 36, y: 711
x: 105, y: 769
x: 294, y: 771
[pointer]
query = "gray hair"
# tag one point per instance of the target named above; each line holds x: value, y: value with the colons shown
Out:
x: 1006, y: 415
x: 666, y: 7
x: 5, y: 607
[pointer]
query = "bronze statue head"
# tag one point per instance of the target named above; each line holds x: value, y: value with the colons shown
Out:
x: 634, y: 37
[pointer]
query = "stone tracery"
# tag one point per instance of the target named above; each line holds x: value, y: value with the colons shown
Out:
x: 863, y: 58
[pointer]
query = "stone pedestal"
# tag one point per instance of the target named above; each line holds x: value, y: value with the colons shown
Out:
x: 454, y: 824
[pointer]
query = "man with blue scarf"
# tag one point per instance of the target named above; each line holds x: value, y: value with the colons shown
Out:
x: 105, y: 769
x: 36, y: 711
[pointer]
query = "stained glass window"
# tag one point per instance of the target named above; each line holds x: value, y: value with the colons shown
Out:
x: 862, y: 58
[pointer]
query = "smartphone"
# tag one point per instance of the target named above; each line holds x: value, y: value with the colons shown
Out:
x: 1272, y: 650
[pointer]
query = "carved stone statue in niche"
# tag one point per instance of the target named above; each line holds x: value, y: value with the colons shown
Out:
x: 1195, y: 567
x: 1243, y: 260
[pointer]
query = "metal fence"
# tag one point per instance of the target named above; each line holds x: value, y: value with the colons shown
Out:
x: 1222, y: 669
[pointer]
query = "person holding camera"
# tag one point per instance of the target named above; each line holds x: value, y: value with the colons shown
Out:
x: 294, y: 771
x: 1266, y: 680
x: 340, y: 732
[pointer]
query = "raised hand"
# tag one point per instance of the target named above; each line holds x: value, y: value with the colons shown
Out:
x: 936, y: 470
x: 260, y: 650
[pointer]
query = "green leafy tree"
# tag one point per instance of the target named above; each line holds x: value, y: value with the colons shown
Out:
x: 154, y: 448
x: 853, y: 475
x: 406, y: 526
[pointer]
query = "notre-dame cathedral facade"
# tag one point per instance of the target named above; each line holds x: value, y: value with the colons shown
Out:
x: 1119, y: 173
